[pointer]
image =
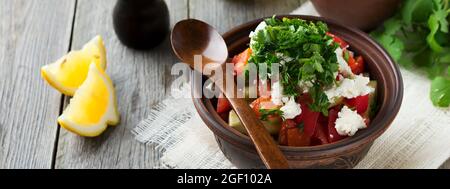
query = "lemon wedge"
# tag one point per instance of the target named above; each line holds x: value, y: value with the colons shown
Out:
x: 69, y: 72
x: 93, y: 105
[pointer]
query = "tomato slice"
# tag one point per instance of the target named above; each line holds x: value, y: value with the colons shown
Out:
x: 314, y: 126
x: 333, y: 135
x: 223, y: 105
x: 305, y: 98
x: 299, y: 119
x: 263, y: 102
x: 291, y: 134
x: 338, y: 40
x: 357, y: 65
x: 282, y: 135
x: 360, y: 103
x: 321, y: 130
x: 361, y: 64
x: 314, y: 123
x: 241, y: 60
x: 309, y: 119
x: 311, y: 122
x: 225, y: 115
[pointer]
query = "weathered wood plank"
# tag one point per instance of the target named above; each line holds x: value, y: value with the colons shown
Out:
x: 225, y: 14
x: 446, y: 165
x: 32, y: 33
x: 141, y: 79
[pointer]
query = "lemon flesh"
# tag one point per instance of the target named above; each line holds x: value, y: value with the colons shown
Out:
x: 70, y: 71
x: 93, y: 105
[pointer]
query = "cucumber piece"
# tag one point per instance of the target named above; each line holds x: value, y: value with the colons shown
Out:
x: 371, y: 109
x: 235, y: 122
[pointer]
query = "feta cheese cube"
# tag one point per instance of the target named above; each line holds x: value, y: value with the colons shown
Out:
x: 349, y: 122
x: 344, y: 68
x: 291, y: 109
x: 350, y: 88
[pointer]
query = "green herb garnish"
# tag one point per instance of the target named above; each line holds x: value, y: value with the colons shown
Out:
x: 311, y: 52
x: 440, y: 92
x: 265, y: 113
x: 346, y: 56
x: 418, y: 37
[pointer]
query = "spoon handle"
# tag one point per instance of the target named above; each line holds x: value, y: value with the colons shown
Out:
x: 266, y: 147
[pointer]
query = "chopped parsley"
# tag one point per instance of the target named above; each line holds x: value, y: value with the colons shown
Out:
x: 311, y: 56
x: 265, y: 113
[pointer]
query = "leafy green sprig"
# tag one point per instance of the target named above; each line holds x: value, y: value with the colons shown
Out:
x: 265, y: 113
x: 418, y: 37
x: 311, y: 52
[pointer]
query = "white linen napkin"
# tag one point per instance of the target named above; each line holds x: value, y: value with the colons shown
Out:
x: 419, y: 137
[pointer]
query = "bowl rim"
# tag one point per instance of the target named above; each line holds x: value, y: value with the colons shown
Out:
x: 222, y: 129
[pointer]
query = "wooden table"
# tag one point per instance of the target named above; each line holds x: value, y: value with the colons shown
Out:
x: 36, y: 32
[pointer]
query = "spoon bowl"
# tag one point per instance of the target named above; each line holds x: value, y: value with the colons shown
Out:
x: 193, y: 37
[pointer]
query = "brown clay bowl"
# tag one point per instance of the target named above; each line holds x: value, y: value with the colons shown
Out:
x: 238, y: 148
x: 363, y: 14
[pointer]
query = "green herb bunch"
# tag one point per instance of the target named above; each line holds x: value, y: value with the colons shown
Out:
x: 418, y: 37
x: 311, y: 51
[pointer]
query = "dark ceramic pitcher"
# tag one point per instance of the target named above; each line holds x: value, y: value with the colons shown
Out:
x: 141, y: 24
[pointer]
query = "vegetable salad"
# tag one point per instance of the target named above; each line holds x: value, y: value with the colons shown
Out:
x: 322, y: 92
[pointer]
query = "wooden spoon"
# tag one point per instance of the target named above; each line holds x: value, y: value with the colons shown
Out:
x: 193, y: 37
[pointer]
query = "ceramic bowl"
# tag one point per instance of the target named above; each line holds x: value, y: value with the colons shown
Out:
x: 346, y: 153
x: 363, y: 14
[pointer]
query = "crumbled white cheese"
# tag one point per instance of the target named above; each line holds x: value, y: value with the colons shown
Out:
x: 261, y: 26
x: 344, y: 68
x: 291, y: 109
x: 350, y: 88
x: 349, y: 122
x: 285, y: 99
x: 277, y: 93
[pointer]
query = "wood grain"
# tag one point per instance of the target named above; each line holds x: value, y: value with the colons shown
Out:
x: 37, y: 32
x: 226, y: 14
x: 267, y: 148
x: 141, y: 79
x: 33, y: 33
